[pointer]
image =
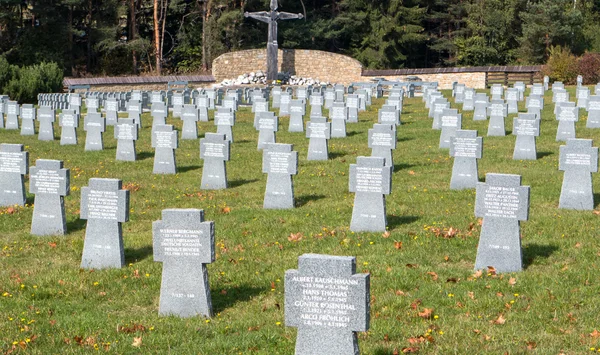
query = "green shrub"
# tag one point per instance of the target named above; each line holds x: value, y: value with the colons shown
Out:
x: 5, y: 73
x: 561, y: 66
x: 27, y: 82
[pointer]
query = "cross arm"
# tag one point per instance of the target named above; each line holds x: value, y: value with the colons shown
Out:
x: 289, y: 16
x: 260, y: 16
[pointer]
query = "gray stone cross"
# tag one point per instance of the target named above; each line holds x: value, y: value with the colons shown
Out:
x: 502, y: 203
x: 50, y: 182
x: 184, y: 243
x: 280, y: 162
x: 371, y: 180
x: 105, y: 205
x: 578, y: 159
x: 215, y: 150
x: 271, y: 17
x: 328, y: 302
x: 14, y: 163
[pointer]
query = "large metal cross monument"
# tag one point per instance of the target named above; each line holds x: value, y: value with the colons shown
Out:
x: 271, y: 18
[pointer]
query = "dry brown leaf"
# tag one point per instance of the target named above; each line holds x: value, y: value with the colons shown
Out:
x: 412, y: 266
x: 137, y: 342
x: 410, y: 350
x: 596, y: 212
x: 226, y: 210
x: 398, y: 245
x: 433, y: 275
x: 491, y: 270
x: 399, y: 293
x: 512, y: 281
x: 416, y: 340
x: 411, y: 172
x: 446, y: 258
x: 595, y: 334
x: 499, y: 320
x: 415, y: 304
x: 478, y: 274
x: 578, y: 245
x: 295, y: 237
x: 452, y: 279
x: 471, y: 295
x: 531, y: 345
x: 426, y: 313
x: 386, y: 234
x: 52, y: 244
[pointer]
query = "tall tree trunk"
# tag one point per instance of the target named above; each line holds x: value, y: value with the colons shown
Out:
x: 89, y: 37
x: 163, y: 18
x: 70, y: 40
x: 157, y: 47
x: 204, y: 45
x: 132, y: 33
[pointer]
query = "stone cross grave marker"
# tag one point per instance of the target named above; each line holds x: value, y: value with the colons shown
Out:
x: 329, y: 97
x: 451, y: 121
x: 297, y: 110
x: 2, y: 110
x: 190, y: 117
x: 284, y: 103
x: 203, y: 105
x: 466, y: 147
x: 371, y: 180
x: 126, y: 133
x: 436, y: 110
x: 231, y: 103
x: 328, y: 302
x: 560, y: 95
x: 526, y: 127
x: 382, y: 141
x: 28, y: 120
x: 280, y: 162
x: 459, y: 93
x: 353, y: 104
x: 497, y: 92
x: 159, y: 112
x: 105, y: 206
x: 267, y: 125
x: 12, y: 115
x: 578, y: 159
x: 271, y: 17
x: 567, y: 116
x: 316, y: 105
x: 389, y: 114
x: 134, y: 111
x: 14, y: 164
x: 95, y: 125
x: 502, y: 203
x: 481, y: 106
x: 224, y: 120
x: 178, y: 102
x: 469, y: 101
x: 184, y: 243
x: 75, y: 103
x: 164, y: 141
x: 92, y: 104
x: 497, y: 111
x: 593, y: 119
x: 535, y: 104
x: 215, y: 150
x: 276, y: 95
x: 318, y: 130
x: 338, y: 113
x: 68, y: 120
x: 112, y: 111
x: 50, y: 182
x: 583, y: 95
x: 46, y: 116
x: 512, y: 100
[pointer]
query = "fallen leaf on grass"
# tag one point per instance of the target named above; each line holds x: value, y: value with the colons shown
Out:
x: 499, y: 320
x: 512, y: 281
x: 410, y: 350
x: 412, y: 266
x: 491, y: 270
x: 471, y: 295
x: 226, y: 210
x: 531, y: 345
x: 52, y: 244
x: 595, y: 334
x: 433, y: 275
x: 478, y: 274
x: 295, y: 237
x: 578, y: 245
x: 411, y: 172
x: 386, y: 234
x: 137, y: 342
x: 398, y: 245
x: 427, y: 313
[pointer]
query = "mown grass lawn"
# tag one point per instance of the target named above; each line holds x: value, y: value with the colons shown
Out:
x: 424, y: 294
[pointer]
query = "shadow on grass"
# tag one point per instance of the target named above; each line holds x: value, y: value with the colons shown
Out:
x: 535, y: 251
x: 334, y: 155
x: 396, y: 221
x: 305, y: 199
x: 184, y: 169
x: 541, y: 155
x: 29, y: 200
x: 76, y: 225
x: 381, y: 351
x: 237, y: 183
x: 352, y: 133
x: 144, y: 155
x: 404, y: 139
x: 135, y: 255
x: 242, y: 141
x: 398, y: 167
x: 230, y: 296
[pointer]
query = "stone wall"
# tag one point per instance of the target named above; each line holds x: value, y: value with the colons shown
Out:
x: 475, y: 80
x: 325, y: 66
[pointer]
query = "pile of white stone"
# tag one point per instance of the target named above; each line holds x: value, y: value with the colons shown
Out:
x: 259, y: 77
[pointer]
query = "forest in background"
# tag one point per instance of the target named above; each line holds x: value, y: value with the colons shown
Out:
x: 117, y: 37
